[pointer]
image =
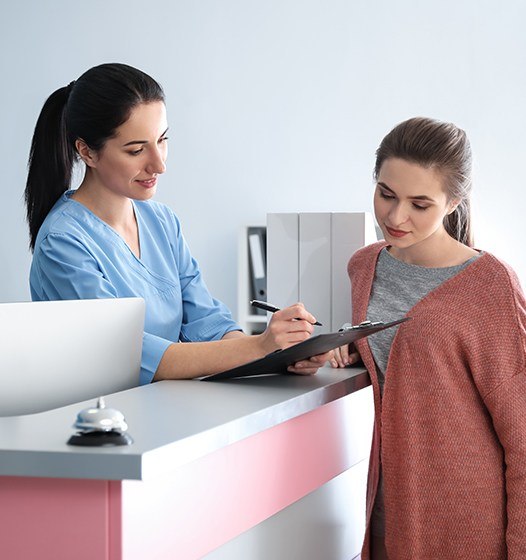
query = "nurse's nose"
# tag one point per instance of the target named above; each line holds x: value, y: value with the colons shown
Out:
x: 156, y: 163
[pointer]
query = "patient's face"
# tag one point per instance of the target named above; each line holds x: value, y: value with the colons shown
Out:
x: 410, y: 204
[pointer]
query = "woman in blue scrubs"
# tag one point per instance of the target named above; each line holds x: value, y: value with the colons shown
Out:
x: 108, y: 238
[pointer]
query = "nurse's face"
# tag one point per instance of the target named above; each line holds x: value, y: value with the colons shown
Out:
x: 130, y: 162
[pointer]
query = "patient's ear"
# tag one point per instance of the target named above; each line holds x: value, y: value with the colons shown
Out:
x: 453, y: 206
x: 86, y: 154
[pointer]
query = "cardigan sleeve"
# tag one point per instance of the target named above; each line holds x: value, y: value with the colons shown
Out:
x: 507, y: 406
x: 506, y: 403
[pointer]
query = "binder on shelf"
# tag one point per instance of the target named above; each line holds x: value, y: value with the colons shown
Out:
x: 350, y: 231
x: 314, y: 270
x: 257, y: 251
x: 283, y: 258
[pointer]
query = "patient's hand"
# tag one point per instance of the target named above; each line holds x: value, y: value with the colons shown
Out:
x: 345, y: 356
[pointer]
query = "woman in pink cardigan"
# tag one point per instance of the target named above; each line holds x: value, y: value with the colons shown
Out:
x: 447, y: 475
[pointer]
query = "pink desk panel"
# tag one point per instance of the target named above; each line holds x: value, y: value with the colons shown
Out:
x: 183, y: 515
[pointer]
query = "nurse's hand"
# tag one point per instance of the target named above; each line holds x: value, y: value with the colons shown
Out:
x: 311, y: 366
x: 287, y: 327
x: 345, y: 356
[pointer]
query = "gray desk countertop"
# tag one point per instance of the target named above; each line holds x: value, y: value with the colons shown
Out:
x: 171, y: 422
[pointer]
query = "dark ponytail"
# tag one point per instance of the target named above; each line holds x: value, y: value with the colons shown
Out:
x: 90, y: 109
x: 51, y: 161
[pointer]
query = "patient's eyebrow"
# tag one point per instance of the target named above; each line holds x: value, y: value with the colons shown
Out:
x: 418, y: 197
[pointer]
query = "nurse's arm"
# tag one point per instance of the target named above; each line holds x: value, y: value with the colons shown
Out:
x: 195, y: 359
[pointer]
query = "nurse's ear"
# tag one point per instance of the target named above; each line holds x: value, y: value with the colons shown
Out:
x: 86, y: 154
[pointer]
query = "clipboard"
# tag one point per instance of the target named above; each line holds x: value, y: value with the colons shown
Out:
x: 279, y: 361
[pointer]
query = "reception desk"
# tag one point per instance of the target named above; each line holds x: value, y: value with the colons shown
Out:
x: 257, y: 468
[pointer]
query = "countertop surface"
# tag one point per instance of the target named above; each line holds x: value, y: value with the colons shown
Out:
x: 171, y: 423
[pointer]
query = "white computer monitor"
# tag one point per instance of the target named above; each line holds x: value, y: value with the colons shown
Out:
x: 55, y: 353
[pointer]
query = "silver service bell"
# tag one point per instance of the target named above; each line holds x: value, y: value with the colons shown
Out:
x: 100, y: 426
x: 100, y: 419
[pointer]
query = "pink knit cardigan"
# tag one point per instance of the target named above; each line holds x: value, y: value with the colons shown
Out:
x: 452, y: 423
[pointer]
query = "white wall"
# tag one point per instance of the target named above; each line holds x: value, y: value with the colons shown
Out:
x: 277, y: 105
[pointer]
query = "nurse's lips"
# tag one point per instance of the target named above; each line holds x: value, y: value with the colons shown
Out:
x: 148, y: 183
x: 396, y: 232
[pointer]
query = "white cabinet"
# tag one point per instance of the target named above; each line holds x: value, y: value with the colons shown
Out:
x: 307, y: 259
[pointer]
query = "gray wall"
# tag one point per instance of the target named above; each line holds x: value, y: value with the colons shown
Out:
x: 277, y: 105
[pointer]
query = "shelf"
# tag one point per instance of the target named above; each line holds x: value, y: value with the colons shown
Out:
x: 250, y: 323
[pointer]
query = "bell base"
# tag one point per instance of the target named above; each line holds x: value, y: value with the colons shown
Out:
x: 100, y: 439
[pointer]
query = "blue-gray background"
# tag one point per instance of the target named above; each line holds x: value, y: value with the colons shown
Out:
x: 277, y: 106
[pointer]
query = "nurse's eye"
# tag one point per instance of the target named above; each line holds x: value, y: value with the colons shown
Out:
x: 163, y: 139
x: 419, y: 207
x: 136, y: 152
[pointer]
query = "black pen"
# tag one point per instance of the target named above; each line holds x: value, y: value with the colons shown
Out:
x: 272, y: 308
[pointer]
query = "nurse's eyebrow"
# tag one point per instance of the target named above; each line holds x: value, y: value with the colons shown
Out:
x: 135, y: 142
x: 132, y: 142
x: 419, y: 197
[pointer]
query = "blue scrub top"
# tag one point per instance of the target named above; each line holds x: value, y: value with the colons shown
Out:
x: 78, y: 256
